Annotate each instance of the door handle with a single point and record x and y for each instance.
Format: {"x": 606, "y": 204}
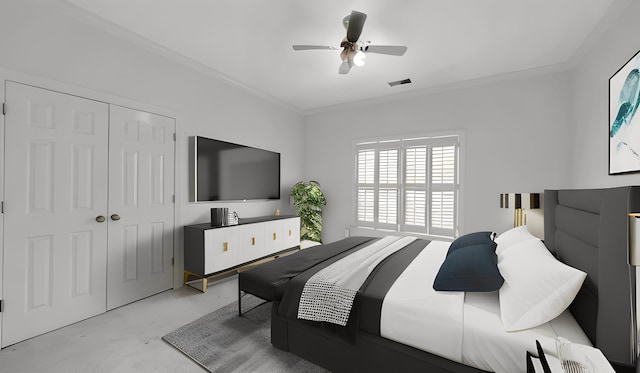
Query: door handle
{"x": 100, "y": 218}
{"x": 115, "y": 217}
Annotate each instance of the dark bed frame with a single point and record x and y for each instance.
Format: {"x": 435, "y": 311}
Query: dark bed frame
{"x": 586, "y": 229}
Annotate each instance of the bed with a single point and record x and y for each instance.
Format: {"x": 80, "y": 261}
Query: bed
{"x": 585, "y": 229}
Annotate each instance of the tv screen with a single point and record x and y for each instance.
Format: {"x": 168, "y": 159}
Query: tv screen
{"x": 231, "y": 172}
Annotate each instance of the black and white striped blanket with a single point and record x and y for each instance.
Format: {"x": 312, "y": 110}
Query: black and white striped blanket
{"x": 329, "y": 294}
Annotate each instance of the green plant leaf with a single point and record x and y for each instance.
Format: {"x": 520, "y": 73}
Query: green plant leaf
{"x": 308, "y": 200}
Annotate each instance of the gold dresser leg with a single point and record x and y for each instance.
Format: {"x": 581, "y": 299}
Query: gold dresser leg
{"x": 186, "y": 280}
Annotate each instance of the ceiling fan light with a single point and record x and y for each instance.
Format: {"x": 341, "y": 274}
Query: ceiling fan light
{"x": 358, "y": 58}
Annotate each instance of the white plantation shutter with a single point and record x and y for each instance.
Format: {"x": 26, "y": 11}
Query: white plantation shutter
{"x": 366, "y": 204}
{"x": 442, "y": 205}
{"x": 366, "y": 166}
{"x": 416, "y": 165}
{"x": 408, "y": 185}
{"x": 388, "y": 186}
{"x": 415, "y": 208}
{"x": 366, "y": 191}
{"x": 388, "y": 167}
{"x": 443, "y": 164}
{"x": 415, "y": 186}
{"x": 388, "y": 206}
{"x": 377, "y": 194}
{"x": 443, "y": 189}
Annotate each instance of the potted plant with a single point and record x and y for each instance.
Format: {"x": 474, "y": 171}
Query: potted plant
{"x": 308, "y": 200}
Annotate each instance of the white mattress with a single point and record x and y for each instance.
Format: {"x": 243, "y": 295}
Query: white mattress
{"x": 463, "y": 327}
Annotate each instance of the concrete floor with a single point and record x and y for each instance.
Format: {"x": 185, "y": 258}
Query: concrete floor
{"x": 127, "y": 339}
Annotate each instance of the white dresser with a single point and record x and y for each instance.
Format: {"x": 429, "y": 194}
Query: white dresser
{"x": 211, "y": 250}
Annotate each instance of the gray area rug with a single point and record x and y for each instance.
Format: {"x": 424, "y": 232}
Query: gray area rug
{"x": 224, "y": 342}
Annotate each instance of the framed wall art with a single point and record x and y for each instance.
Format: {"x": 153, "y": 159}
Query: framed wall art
{"x": 624, "y": 119}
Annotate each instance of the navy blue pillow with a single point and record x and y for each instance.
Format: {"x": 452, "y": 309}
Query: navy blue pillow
{"x": 469, "y": 239}
{"x": 470, "y": 268}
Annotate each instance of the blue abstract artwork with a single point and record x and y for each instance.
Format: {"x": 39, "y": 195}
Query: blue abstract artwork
{"x": 624, "y": 125}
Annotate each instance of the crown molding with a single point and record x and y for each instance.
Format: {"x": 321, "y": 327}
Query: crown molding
{"x": 448, "y": 87}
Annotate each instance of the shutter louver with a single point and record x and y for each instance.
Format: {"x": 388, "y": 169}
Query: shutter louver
{"x": 388, "y": 206}
{"x": 366, "y": 166}
{"x": 443, "y": 165}
{"x": 415, "y": 207}
{"x": 388, "y": 167}
{"x": 442, "y": 207}
{"x": 366, "y": 204}
{"x": 416, "y": 165}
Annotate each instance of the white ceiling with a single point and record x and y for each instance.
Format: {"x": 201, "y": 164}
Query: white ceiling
{"x": 449, "y": 41}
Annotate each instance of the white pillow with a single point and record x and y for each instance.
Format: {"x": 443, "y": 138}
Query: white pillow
{"x": 537, "y": 287}
{"x": 513, "y": 236}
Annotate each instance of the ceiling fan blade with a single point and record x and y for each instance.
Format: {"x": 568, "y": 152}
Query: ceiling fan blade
{"x": 311, "y": 47}
{"x": 394, "y": 50}
{"x": 356, "y": 24}
{"x": 344, "y": 55}
{"x": 344, "y": 68}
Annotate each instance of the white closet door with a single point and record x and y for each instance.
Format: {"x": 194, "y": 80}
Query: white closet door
{"x": 141, "y": 189}
{"x": 55, "y": 187}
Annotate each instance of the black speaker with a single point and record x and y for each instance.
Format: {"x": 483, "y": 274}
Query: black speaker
{"x": 219, "y": 216}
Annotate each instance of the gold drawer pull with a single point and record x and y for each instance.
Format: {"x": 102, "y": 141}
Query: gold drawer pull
{"x": 225, "y": 246}
{"x": 274, "y": 236}
{"x": 253, "y": 241}
{"x": 289, "y": 232}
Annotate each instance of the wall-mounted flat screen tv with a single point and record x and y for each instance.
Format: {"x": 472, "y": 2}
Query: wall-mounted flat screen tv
{"x": 223, "y": 171}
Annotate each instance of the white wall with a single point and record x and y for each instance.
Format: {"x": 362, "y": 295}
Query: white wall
{"x": 516, "y": 134}
{"x": 590, "y": 107}
{"x": 524, "y": 134}
{"x": 547, "y": 131}
{"x": 590, "y": 102}
{"x": 39, "y": 39}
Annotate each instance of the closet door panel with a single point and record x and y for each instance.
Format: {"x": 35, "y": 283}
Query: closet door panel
{"x": 55, "y": 187}
{"x": 141, "y": 207}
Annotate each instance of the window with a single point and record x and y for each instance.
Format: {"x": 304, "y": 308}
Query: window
{"x": 408, "y": 185}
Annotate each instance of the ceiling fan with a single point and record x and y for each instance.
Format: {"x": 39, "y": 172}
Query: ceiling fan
{"x": 353, "y": 50}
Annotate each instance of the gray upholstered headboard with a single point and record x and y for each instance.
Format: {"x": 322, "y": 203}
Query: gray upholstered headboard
{"x": 588, "y": 229}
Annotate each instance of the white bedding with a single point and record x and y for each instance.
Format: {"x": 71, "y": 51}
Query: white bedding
{"x": 486, "y": 345}
{"x": 416, "y": 315}
{"x": 466, "y": 329}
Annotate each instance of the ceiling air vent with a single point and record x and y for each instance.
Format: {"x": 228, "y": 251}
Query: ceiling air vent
{"x": 399, "y": 82}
